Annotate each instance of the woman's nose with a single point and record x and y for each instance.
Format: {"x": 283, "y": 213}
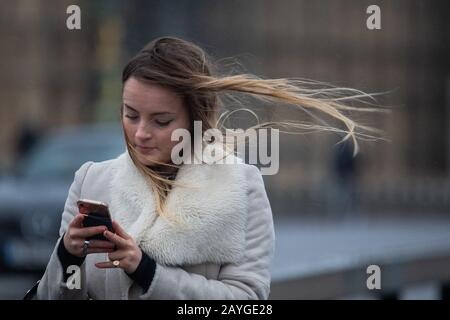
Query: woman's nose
{"x": 143, "y": 132}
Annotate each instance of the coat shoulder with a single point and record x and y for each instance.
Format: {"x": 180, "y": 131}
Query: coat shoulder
{"x": 100, "y": 168}
{"x": 253, "y": 175}
{"x": 102, "y": 165}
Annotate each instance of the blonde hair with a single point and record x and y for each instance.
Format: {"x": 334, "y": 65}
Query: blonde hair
{"x": 185, "y": 68}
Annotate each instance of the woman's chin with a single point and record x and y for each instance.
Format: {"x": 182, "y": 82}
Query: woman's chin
{"x": 147, "y": 160}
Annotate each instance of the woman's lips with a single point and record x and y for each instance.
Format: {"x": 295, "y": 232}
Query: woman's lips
{"x": 145, "y": 149}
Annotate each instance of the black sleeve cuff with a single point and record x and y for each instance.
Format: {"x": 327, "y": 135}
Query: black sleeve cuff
{"x": 67, "y": 259}
{"x": 144, "y": 273}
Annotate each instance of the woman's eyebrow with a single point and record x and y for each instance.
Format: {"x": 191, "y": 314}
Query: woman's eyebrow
{"x": 153, "y": 113}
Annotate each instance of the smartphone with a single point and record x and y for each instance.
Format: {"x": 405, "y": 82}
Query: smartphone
{"x": 97, "y": 214}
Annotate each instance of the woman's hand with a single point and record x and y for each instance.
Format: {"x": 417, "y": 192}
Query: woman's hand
{"x": 76, "y": 234}
{"x": 128, "y": 254}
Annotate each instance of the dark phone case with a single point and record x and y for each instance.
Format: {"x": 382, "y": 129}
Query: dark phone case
{"x": 93, "y": 220}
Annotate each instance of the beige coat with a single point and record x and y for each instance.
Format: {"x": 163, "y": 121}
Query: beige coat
{"x": 223, "y": 248}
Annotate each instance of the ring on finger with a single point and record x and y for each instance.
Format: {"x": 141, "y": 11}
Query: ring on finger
{"x": 85, "y": 247}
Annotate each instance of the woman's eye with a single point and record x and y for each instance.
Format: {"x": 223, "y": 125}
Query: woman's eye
{"x": 131, "y": 117}
{"x": 163, "y": 123}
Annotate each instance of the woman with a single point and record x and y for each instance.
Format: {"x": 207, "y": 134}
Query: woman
{"x": 189, "y": 231}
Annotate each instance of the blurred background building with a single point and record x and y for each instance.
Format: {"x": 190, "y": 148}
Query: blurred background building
{"x": 53, "y": 77}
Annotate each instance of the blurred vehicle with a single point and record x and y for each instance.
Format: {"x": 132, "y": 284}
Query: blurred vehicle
{"x": 32, "y": 199}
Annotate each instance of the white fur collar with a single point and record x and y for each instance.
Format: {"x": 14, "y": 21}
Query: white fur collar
{"x": 213, "y": 212}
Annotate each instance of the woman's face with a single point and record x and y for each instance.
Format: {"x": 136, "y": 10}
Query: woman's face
{"x": 150, "y": 114}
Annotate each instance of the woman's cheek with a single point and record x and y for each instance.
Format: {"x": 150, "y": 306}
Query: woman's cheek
{"x": 130, "y": 129}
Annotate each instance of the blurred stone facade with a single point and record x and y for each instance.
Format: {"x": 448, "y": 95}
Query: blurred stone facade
{"x": 48, "y": 72}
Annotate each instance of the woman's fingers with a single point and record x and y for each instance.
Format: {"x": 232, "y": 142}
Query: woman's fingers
{"x": 104, "y": 265}
{"x": 99, "y": 250}
{"x": 88, "y": 231}
{"x": 112, "y": 256}
{"x": 119, "y": 230}
{"x": 77, "y": 222}
{"x": 101, "y": 244}
{"x": 116, "y": 255}
{"x": 115, "y": 238}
